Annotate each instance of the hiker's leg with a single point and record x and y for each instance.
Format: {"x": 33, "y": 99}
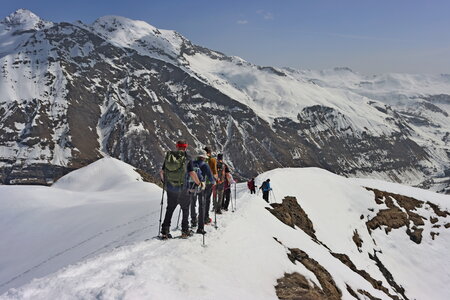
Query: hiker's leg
{"x": 208, "y": 193}
{"x": 193, "y": 204}
{"x": 171, "y": 205}
{"x": 226, "y": 202}
{"x": 184, "y": 203}
{"x": 201, "y": 210}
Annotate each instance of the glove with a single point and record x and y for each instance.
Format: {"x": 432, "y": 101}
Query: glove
{"x": 202, "y": 186}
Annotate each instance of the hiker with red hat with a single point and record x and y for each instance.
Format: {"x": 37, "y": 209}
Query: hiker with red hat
{"x": 176, "y": 170}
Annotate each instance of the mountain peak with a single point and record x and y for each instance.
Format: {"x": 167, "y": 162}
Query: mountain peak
{"x": 25, "y": 19}
{"x": 113, "y": 23}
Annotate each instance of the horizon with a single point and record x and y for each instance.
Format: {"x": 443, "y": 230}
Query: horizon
{"x": 376, "y": 38}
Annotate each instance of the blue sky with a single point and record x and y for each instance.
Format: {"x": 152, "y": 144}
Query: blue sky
{"x": 369, "y": 36}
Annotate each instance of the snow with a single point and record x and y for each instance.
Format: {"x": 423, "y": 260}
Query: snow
{"x": 140, "y": 36}
{"x": 87, "y": 212}
{"x": 85, "y": 238}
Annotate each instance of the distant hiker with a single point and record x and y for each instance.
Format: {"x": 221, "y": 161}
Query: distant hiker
{"x": 265, "y": 187}
{"x": 227, "y": 190}
{"x": 203, "y": 171}
{"x": 176, "y": 170}
{"x": 212, "y": 162}
{"x": 222, "y": 170}
{"x": 251, "y": 186}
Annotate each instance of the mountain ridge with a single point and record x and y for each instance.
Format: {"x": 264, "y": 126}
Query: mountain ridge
{"x": 73, "y": 93}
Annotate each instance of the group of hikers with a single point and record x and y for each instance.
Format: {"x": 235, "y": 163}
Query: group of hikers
{"x": 265, "y": 187}
{"x": 190, "y": 180}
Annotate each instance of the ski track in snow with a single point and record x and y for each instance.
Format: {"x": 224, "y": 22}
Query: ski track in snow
{"x": 121, "y": 240}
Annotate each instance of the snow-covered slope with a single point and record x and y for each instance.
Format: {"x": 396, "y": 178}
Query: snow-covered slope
{"x": 252, "y": 254}
{"x": 91, "y": 210}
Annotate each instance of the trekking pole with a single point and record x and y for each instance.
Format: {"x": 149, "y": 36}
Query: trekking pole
{"x": 202, "y": 197}
{"x": 273, "y": 194}
{"x": 235, "y": 197}
{"x": 160, "y": 212}
{"x": 214, "y": 195}
{"x": 231, "y": 199}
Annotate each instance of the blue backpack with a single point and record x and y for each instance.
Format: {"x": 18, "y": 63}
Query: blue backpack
{"x": 198, "y": 171}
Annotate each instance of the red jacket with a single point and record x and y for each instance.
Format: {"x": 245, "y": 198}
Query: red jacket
{"x": 251, "y": 184}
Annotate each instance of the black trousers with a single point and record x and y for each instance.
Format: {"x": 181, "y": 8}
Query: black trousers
{"x": 226, "y": 198}
{"x": 266, "y": 196}
{"x": 208, "y": 194}
{"x": 173, "y": 199}
{"x": 252, "y": 191}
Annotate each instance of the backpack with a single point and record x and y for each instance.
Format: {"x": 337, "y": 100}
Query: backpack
{"x": 221, "y": 170}
{"x": 198, "y": 171}
{"x": 265, "y": 186}
{"x": 175, "y": 165}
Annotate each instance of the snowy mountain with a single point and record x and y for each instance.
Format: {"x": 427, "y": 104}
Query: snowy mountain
{"x": 71, "y": 93}
{"x": 327, "y": 237}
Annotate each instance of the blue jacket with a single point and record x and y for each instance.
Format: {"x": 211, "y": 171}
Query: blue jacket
{"x": 205, "y": 171}
{"x": 266, "y": 186}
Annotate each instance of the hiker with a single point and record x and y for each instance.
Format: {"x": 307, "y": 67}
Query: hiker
{"x": 251, "y": 186}
{"x": 227, "y": 190}
{"x": 222, "y": 170}
{"x": 209, "y": 190}
{"x": 265, "y": 187}
{"x": 203, "y": 171}
{"x": 176, "y": 169}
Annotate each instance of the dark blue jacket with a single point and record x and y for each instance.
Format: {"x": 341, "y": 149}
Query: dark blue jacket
{"x": 266, "y": 186}
{"x": 205, "y": 170}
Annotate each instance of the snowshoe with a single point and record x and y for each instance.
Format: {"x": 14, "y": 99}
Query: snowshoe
{"x": 186, "y": 234}
{"x": 165, "y": 236}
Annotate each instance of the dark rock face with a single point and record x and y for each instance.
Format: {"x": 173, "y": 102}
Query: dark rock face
{"x": 290, "y": 213}
{"x": 402, "y": 214}
{"x": 94, "y": 98}
{"x": 337, "y": 149}
{"x": 329, "y": 288}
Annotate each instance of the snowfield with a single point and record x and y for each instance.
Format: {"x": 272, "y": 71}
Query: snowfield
{"x": 90, "y": 237}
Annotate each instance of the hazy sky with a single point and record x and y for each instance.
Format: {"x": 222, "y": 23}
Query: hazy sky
{"x": 369, "y": 36}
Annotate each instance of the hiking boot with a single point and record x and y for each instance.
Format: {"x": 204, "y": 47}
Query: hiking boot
{"x": 200, "y": 231}
{"x": 194, "y": 223}
{"x": 218, "y": 212}
{"x": 186, "y": 234}
{"x": 165, "y": 236}
{"x": 208, "y": 221}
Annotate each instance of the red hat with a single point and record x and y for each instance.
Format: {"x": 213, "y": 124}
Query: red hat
{"x": 182, "y": 144}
